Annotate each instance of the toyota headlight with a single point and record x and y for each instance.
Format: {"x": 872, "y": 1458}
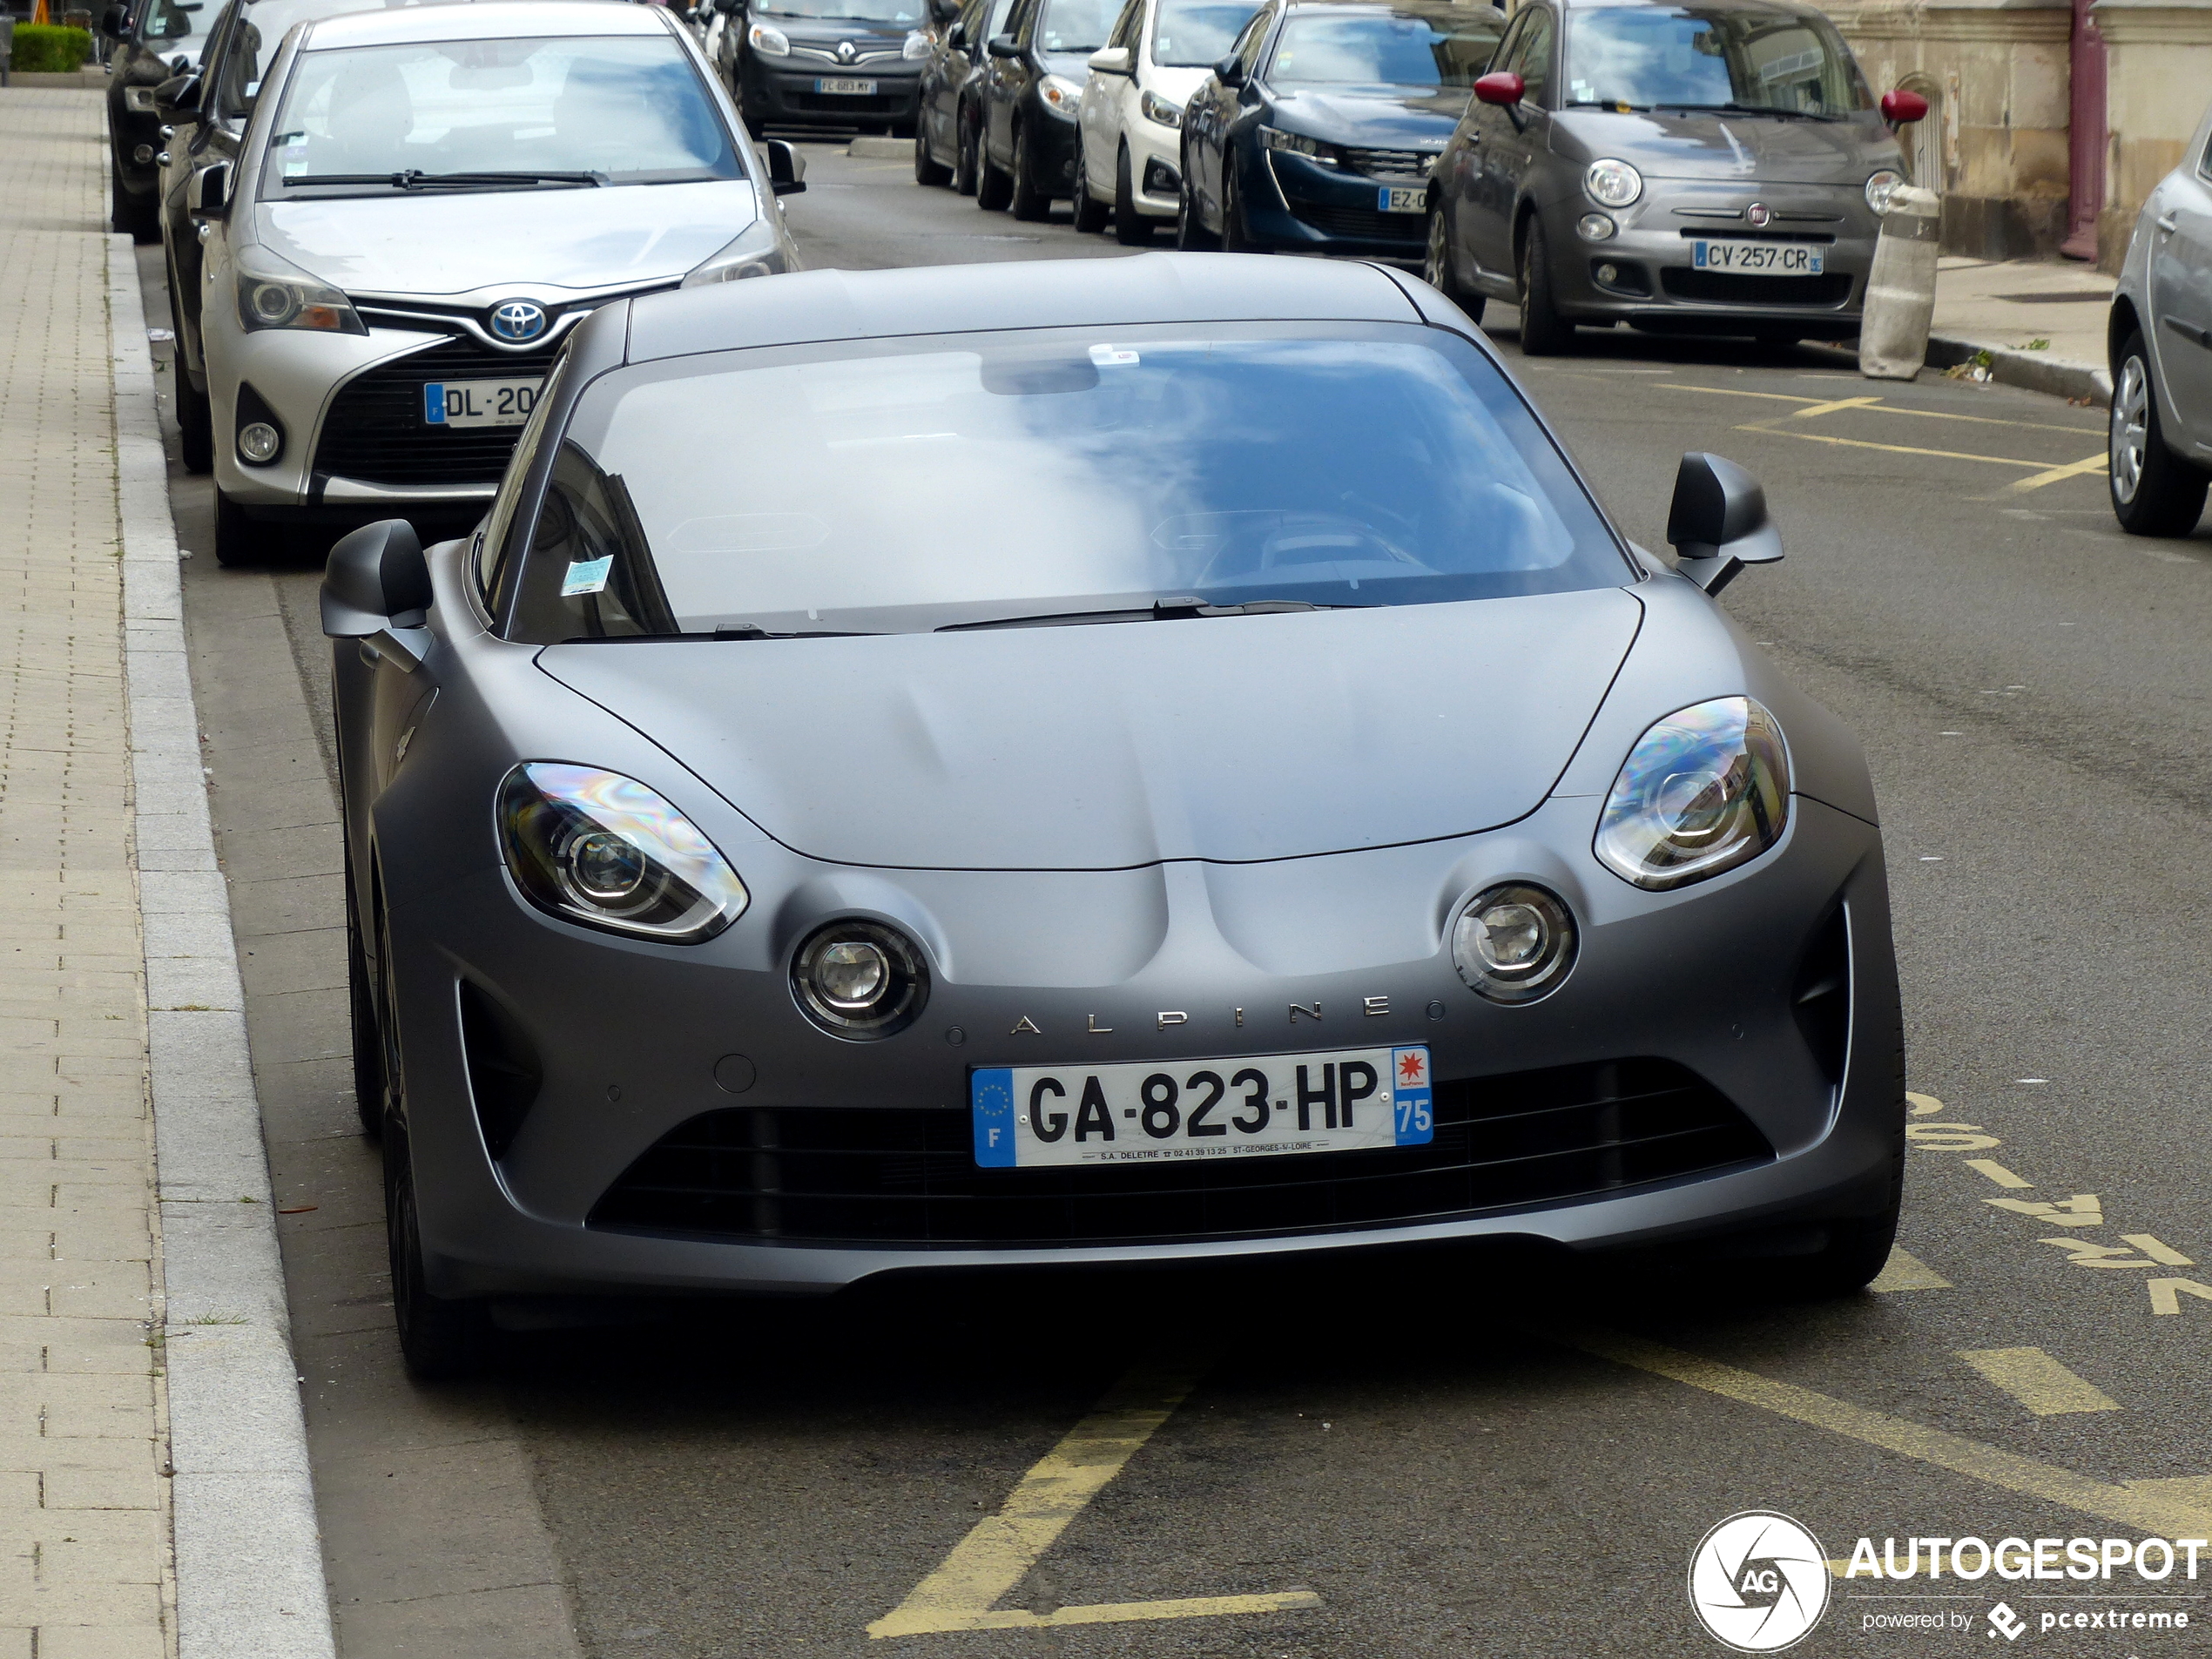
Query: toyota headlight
{"x": 1613, "y": 184}
{"x": 761, "y": 249}
{"x": 1155, "y": 108}
{"x": 1704, "y": 790}
{"x": 600, "y": 849}
{"x": 768, "y": 41}
{"x": 1060, "y": 95}
{"x": 1298, "y": 144}
{"x": 1881, "y": 187}
{"x": 1513, "y": 943}
{"x": 275, "y": 294}
{"x": 859, "y": 980}
{"x": 917, "y": 46}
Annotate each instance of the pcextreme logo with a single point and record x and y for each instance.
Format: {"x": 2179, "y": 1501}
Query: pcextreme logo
{"x": 1758, "y": 1582}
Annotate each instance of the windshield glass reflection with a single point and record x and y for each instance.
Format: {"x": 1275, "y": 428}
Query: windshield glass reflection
{"x": 1763, "y": 62}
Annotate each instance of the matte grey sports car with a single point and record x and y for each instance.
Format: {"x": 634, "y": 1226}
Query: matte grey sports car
{"x": 1287, "y": 816}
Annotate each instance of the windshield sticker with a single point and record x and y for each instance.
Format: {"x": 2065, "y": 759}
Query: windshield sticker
{"x": 295, "y": 153}
{"x": 586, "y": 576}
{"x": 1111, "y": 356}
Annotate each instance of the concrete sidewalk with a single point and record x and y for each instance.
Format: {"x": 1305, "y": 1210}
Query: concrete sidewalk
{"x": 2042, "y": 323}
{"x": 153, "y": 1494}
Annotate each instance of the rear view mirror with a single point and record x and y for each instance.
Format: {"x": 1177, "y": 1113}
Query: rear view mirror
{"x": 376, "y": 580}
{"x": 1900, "y": 108}
{"x": 176, "y": 101}
{"x": 1230, "y": 71}
{"x": 1718, "y": 522}
{"x": 1501, "y": 86}
{"x": 786, "y": 168}
{"x": 1003, "y": 46}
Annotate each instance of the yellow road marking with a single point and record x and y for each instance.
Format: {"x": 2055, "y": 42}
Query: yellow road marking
{"x": 2165, "y": 1254}
{"x": 2166, "y": 1293}
{"x": 1907, "y": 1272}
{"x": 1891, "y": 448}
{"x": 1838, "y": 403}
{"x": 1997, "y": 1173}
{"x": 1877, "y": 404}
{"x": 2159, "y": 1512}
{"x": 2038, "y": 1381}
{"x": 1922, "y": 1105}
{"x": 2082, "y": 1210}
{"x": 2188, "y": 1488}
{"x": 999, "y": 1551}
{"x": 2097, "y": 463}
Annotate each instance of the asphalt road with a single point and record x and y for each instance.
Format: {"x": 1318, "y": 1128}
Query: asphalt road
{"x": 1453, "y": 1456}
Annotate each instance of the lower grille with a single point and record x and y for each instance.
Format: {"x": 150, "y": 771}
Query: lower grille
{"x": 1733, "y": 289}
{"x": 834, "y": 103}
{"x": 1364, "y": 223}
{"x": 1409, "y": 167}
{"x": 375, "y": 431}
{"x": 880, "y": 1176}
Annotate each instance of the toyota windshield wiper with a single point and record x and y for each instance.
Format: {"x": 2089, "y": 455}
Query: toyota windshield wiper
{"x": 414, "y": 178}
{"x": 1178, "y": 606}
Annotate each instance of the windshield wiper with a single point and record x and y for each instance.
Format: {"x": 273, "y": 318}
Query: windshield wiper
{"x": 1166, "y": 609}
{"x": 1775, "y": 110}
{"x": 414, "y": 178}
{"x": 1605, "y": 104}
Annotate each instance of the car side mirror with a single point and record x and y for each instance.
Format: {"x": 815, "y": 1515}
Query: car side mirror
{"x": 176, "y": 101}
{"x": 1003, "y": 46}
{"x": 208, "y": 191}
{"x": 115, "y": 22}
{"x": 1230, "y": 71}
{"x": 1110, "y": 60}
{"x": 726, "y": 7}
{"x": 1718, "y": 522}
{"x": 944, "y": 11}
{"x": 1900, "y": 108}
{"x": 786, "y": 168}
{"x": 376, "y": 580}
{"x": 1501, "y": 86}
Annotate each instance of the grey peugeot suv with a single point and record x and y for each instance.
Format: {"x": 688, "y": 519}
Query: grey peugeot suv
{"x": 1712, "y": 167}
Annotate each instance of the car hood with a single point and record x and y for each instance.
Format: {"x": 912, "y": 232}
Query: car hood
{"x": 1174, "y": 83}
{"x": 1376, "y": 117}
{"x": 1108, "y": 746}
{"x": 434, "y": 243}
{"x": 1751, "y": 148}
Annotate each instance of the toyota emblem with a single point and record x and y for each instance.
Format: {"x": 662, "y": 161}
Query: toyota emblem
{"x": 1758, "y": 213}
{"x": 517, "y": 320}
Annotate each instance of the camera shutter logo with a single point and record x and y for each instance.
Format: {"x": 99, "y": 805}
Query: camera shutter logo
{"x": 517, "y": 320}
{"x": 1758, "y": 1582}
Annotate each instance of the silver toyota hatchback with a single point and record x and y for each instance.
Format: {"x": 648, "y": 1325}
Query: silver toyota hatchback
{"x": 1716, "y": 167}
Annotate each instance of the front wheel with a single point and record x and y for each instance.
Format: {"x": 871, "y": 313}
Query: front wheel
{"x": 1544, "y": 332}
{"x": 993, "y": 184}
{"x": 1029, "y": 201}
{"x": 2155, "y": 492}
{"x": 127, "y": 216}
{"x": 441, "y": 1338}
{"x": 368, "y": 1037}
{"x": 1191, "y": 232}
{"x": 195, "y": 421}
{"x": 239, "y": 540}
{"x": 1236, "y": 235}
{"x": 1090, "y": 212}
{"x": 1131, "y": 228}
{"x": 1436, "y": 267}
{"x": 928, "y": 169}
{"x": 964, "y": 167}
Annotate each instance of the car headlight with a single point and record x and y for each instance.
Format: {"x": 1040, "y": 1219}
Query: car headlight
{"x": 602, "y": 850}
{"x": 859, "y": 980}
{"x": 1513, "y": 943}
{"x": 1153, "y": 107}
{"x": 917, "y": 47}
{"x": 759, "y": 250}
{"x": 1704, "y": 790}
{"x": 1613, "y": 184}
{"x": 1060, "y": 95}
{"x": 1881, "y": 187}
{"x": 1297, "y": 145}
{"x": 767, "y": 41}
{"x": 273, "y": 294}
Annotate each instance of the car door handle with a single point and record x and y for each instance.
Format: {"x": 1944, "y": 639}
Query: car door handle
{"x": 2169, "y": 224}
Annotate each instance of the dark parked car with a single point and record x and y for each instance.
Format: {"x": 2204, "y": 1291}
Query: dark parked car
{"x": 1317, "y": 132}
{"x": 159, "y": 39}
{"x": 948, "y": 125}
{"x": 1033, "y": 88}
{"x": 828, "y": 63}
{"x": 1713, "y": 167}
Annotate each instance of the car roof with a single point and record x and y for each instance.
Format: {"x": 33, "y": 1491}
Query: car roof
{"x": 1786, "y": 8}
{"x": 819, "y": 306}
{"x": 483, "y": 20}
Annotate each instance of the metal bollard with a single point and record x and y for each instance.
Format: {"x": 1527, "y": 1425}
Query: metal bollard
{"x": 1900, "y": 289}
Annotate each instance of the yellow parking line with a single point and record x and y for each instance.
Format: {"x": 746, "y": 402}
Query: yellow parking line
{"x": 1821, "y": 406}
{"x": 2038, "y": 1381}
{"x": 1892, "y": 448}
{"x": 1832, "y": 407}
{"x": 1734, "y": 391}
{"x": 2097, "y": 462}
{"x": 2157, "y": 1512}
{"x": 1998, "y": 1172}
{"x": 1904, "y": 1271}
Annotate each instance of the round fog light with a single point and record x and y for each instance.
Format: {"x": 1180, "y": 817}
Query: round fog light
{"x": 1608, "y": 274}
{"x": 1596, "y": 227}
{"x": 859, "y": 980}
{"x": 257, "y": 441}
{"x": 851, "y": 975}
{"x": 1513, "y": 943}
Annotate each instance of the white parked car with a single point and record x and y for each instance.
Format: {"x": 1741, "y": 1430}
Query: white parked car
{"x": 1131, "y": 113}
{"x": 427, "y": 201}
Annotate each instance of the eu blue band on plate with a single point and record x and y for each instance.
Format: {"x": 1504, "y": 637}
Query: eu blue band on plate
{"x": 1411, "y": 1099}
{"x": 433, "y": 404}
{"x": 991, "y": 1100}
{"x": 1382, "y": 200}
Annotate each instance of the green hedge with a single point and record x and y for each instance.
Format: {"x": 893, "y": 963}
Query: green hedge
{"x": 43, "y": 48}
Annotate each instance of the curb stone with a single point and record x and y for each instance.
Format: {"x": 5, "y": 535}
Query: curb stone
{"x": 2033, "y": 371}
{"x": 248, "y": 1553}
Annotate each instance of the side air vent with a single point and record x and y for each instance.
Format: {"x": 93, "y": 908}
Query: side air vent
{"x": 1821, "y": 998}
{"x": 503, "y": 1070}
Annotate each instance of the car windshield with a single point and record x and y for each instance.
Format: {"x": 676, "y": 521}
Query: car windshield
{"x": 885, "y": 11}
{"x": 1192, "y": 34}
{"x": 261, "y": 30}
{"x": 1076, "y": 25}
{"x": 177, "y": 25}
{"x": 1719, "y": 57}
{"x": 1093, "y": 475}
{"x": 576, "y": 109}
{"x": 1384, "y": 49}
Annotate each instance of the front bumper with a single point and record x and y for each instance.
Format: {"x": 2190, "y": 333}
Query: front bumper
{"x": 1298, "y": 206}
{"x": 777, "y": 93}
{"x": 625, "y": 1041}
{"x": 1055, "y": 150}
{"x": 1155, "y": 167}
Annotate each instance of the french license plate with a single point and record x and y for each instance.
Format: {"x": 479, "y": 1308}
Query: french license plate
{"x": 845, "y": 89}
{"x": 1765, "y": 259}
{"x": 1402, "y": 198}
{"x": 479, "y": 403}
{"x": 1349, "y": 1100}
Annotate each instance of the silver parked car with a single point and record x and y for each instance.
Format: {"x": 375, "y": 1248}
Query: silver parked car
{"x": 426, "y": 201}
{"x": 1269, "y": 809}
{"x": 1715, "y": 167}
{"x": 2160, "y": 338}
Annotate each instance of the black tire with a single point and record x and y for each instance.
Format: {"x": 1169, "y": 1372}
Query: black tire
{"x": 195, "y": 422}
{"x": 239, "y": 540}
{"x": 928, "y": 169}
{"x": 1544, "y": 332}
{"x": 1436, "y": 268}
{"x": 1191, "y": 232}
{"x": 368, "y": 1037}
{"x": 127, "y": 215}
{"x": 1090, "y": 212}
{"x": 964, "y": 147}
{"x": 993, "y": 184}
{"x": 2153, "y": 492}
{"x": 1027, "y": 201}
{"x": 1131, "y": 228}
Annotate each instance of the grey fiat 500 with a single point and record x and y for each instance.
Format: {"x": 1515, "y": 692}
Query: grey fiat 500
{"x": 1714, "y": 167}
{"x": 1292, "y": 820}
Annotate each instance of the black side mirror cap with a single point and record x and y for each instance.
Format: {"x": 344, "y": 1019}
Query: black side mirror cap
{"x": 1718, "y": 521}
{"x": 1230, "y": 71}
{"x": 176, "y": 101}
{"x": 1003, "y": 46}
{"x": 376, "y": 579}
{"x": 115, "y": 22}
{"x": 786, "y": 168}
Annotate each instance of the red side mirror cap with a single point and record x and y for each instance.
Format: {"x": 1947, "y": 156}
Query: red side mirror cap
{"x": 1902, "y": 106}
{"x": 1501, "y": 86}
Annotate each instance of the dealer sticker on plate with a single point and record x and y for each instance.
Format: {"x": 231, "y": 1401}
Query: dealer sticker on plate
{"x": 1348, "y": 1100}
